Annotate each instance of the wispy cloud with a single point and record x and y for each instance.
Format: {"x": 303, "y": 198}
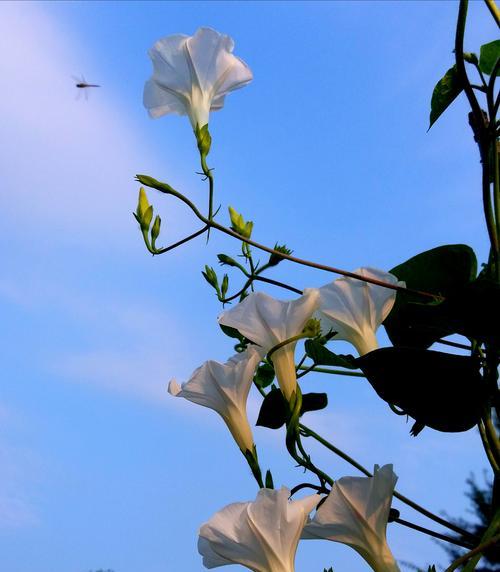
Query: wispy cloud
{"x": 67, "y": 165}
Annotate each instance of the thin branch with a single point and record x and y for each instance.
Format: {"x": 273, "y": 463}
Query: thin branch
{"x": 433, "y": 533}
{"x": 307, "y": 369}
{"x": 167, "y": 189}
{"x": 182, "y": 241}
{"x": 402, "y": 498}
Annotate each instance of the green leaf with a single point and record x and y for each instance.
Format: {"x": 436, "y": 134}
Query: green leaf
{"x": 488, "y": 57}
{"x": 440, "y": 390}
{"x": 264, "y": 375}
{"x": 414, "y": 320}
{"x": 323, "y": 356}
{"x": 446, "y": 90}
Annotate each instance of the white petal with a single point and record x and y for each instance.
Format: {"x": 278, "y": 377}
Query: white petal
{"x": 355, "y": 513}
{"x": 159, "y": 101}
{"x": 170, "y": 63}
{"x": 224, "y": 388}
{"x": 216, "y": 69}
{"x": 261, "y": 535}
{"x": 267, "y": 321}
{"x": 355, "y": 309}
{"x": 210, "y": 558}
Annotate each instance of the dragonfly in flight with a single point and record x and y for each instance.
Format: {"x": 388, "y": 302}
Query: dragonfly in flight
{"x": 83, "y": 87}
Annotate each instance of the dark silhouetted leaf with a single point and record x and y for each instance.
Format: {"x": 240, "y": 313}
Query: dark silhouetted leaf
{"x": 414, "y": 320}
{"x": 264, "y": 375}
{"x": 274, "y": 409}
{"x": 440, "y": 390}
{"x": 474, "y": 311}
{"x": 323, "y": 356}
{"x": 313, "y": 402}
{"x": 446, "y": 90}
{"x": 231, "y": 332}
{"x": 269, "y": 480}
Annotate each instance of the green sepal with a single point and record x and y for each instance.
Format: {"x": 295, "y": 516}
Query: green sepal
{"x": 445, "y": 92}
{"x": 439, "y": 390}
{"x": 431, "y": 568}
{"x": 417, "y": 321}
{"x": 203, "y": 140}
{"x": 323, "y": 356}
{"x": 488, "y": 56}
{"x": 225, "y": 285}
{"x": 329, "y": 569}
{"x": 269, "y": 480}
{"x": 264, "y": 375}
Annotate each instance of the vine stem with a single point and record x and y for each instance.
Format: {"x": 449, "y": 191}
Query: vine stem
{"x": 310, "y": 433}
{"x": 167, "y": 189}
{"x": 493, "y": 8}
{"x": 433, "y": 533}
{"x": 472, "y": 558}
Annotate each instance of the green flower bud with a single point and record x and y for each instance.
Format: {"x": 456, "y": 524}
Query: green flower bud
{"x": 471, "y": 58}
{"x": 239, "y": 225}
{"x": 275, "y": 258}
{"x": 224, "y": 285}
{"x": 155, "y": 231}
{"x": 211, "y": 277}
{"x": 224, "y": 259}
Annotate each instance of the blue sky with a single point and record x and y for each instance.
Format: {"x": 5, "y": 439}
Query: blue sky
{"x": 326, "y": 150}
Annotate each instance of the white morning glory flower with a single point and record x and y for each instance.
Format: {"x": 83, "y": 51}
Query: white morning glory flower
{"x": 261, "y": 535}
{"x": 193, "y": 74}
{"x": 355, "y": 309}
{"x": 356, "y": 513}
{"x": 267, "y": 322}
{"x": 224, "y": 388}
